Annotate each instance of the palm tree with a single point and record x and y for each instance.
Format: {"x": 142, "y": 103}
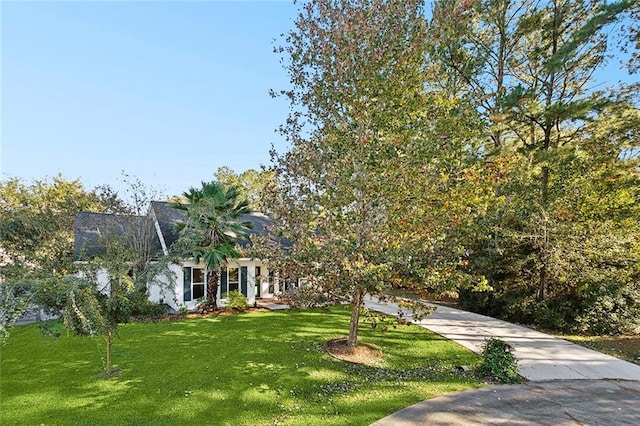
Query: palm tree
{"x": 213, "y": 228}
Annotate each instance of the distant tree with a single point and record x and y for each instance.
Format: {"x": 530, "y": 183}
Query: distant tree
{"x": 556, "y": 132}
{"x": 251, "y": 184}
{"x": 36, "y": 223}
{"x": 36, "y": 238}
{"x": 213, "y": 229}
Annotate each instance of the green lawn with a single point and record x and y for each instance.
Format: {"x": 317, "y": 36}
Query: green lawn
{"x": 247, "y": 369}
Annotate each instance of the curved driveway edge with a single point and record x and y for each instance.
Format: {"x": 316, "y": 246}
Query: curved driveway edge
{"x": 540, "y": 356}
{"x": 558, "y": 402}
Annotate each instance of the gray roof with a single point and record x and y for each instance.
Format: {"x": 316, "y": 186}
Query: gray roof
{"x": 93, "y": 230}
{"x": 168, "y": 217}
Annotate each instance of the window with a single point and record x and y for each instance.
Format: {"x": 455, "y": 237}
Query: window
{"x": 234, "y": 279}
{"x": 197, "y": 283}
{"x": 271, "y": 282}
{"x": 193, "y": 285}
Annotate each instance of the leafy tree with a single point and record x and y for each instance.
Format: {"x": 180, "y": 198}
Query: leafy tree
{"x": 36, "y": 223}
{"x": 16, "y": 296}
{"x": 359, "y": 191}
{"x": 36, "y": 240}
{"x": 213, "y": 228}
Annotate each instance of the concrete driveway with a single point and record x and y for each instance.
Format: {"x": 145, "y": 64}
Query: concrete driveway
{"x": 567, "y": 383}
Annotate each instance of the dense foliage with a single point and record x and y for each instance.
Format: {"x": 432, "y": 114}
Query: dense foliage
{"x": 478, "y": 152}
{"x": 558, "y": 245}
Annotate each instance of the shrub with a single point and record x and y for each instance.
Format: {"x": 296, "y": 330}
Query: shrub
{"x": 498, "y": 362}
{"x": 146, "y": 310}
{"x": 183, "y": 311}
{"x": 236, "y": 301}
{"x": 305, "y": 298}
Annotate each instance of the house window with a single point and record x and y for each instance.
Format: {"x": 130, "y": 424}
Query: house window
{"x": 193, "y": 284}
{"x": 197, "y": 283}
{"x": 271, "y": 282}
{"x": 234, "y": 279}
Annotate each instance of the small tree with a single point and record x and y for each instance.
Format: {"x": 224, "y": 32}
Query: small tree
{"x": 94, "y": 305}
{"x": 111, "y": 286}
{"x": 213, "y": 228}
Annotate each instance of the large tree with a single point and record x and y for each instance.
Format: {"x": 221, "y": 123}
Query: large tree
{"x": 363, "y": 191}
{"x": 213, "y": 229}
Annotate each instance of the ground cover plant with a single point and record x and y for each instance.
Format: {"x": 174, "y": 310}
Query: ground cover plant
{"x": 255, "y": 368}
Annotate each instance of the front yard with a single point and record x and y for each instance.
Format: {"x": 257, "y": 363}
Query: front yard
{"x": 248, "y": 369}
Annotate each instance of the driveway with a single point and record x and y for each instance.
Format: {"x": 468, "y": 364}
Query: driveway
{"x": 567, "y": 384}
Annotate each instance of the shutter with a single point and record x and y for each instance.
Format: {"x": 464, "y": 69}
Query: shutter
{"x": 257, "y": 281}
{"x": 223, "y": 282}
{"x": 243, "y": 280}
{"x": 186, "y": 284}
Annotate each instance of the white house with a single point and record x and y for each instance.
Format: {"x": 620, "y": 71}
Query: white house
{"x": 252, "y": 277}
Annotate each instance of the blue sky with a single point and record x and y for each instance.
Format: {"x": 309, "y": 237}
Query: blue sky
{"x": 165, "y": 91}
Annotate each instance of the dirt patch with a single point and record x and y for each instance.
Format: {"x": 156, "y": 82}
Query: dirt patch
{"x": 363, "y": 353}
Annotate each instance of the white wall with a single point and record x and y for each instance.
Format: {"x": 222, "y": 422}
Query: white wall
{"x": 175, "y": 299}
{"x": 166, "y": 292}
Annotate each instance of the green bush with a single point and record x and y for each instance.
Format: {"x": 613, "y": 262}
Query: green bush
{"x": 143, "y": 309}
{"x": 498, "y": 362}
{"x": 305, "y": 298}
{"x": 236, "y": 301}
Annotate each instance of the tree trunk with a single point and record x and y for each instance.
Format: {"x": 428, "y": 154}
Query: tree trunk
{"x": 109, "y": 367}
{"x": 542, "y": 255}
{"x": 356, "y": 304}
{"x": 212, "y": 288}
{"x": 543, "y": 280}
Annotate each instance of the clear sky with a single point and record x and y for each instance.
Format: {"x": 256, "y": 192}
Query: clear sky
{"x": 165, "y": 91}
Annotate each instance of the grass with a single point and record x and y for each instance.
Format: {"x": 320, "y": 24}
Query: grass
{"x": 623, "y": 347}
{"x": 247, "y": 369}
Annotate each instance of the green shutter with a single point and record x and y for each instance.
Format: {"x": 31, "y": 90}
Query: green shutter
{"x": 186, "y": 284}
{"x": 243, "y": 280}
{"x": 256, "y": 278}
{"x": 223, "y": 282}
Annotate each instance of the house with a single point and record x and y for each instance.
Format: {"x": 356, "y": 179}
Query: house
{"x": 252, "y": 277}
